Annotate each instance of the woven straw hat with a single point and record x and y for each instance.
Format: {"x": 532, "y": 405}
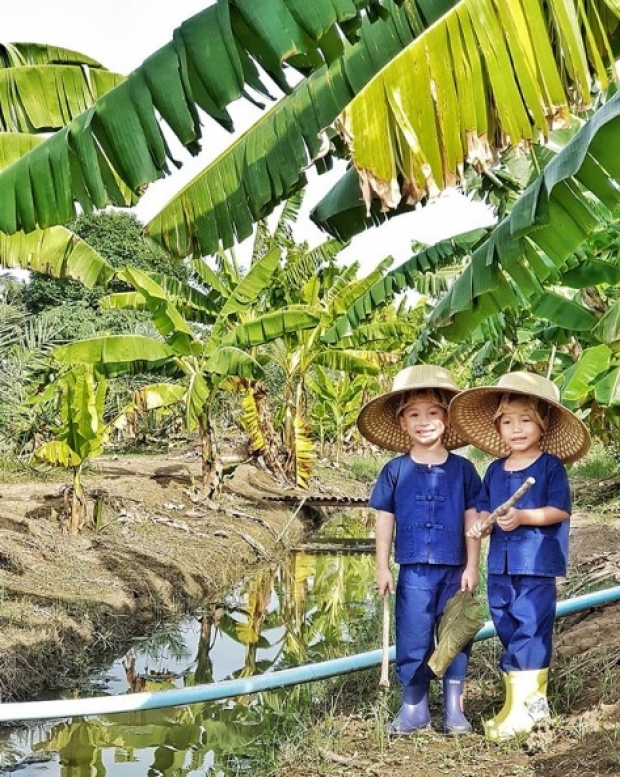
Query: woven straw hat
{"x": 378, "y": 420}
{"x": 472, "y": 413}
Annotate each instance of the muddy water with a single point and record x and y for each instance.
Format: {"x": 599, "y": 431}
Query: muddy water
{"x": 302, "y": 611}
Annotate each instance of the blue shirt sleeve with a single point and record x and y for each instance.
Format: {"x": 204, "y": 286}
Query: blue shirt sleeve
{"x": 558, "y": 487}
{"x": 472, "y": 485}
{"x": 382, "y": 495}
{"x": 483, "y": 504}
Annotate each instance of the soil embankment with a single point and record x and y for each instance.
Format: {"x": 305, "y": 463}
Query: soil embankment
{"x": 157, "y": 551}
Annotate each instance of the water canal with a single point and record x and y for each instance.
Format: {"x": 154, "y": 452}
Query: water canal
{"x": 306, "y": 609}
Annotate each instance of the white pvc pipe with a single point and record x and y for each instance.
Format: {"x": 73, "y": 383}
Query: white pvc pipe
{"x": 106, "y": 705}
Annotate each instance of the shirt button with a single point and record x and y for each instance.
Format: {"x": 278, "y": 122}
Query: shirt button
{"x": 429, "y": 525}
{"x": 429, "y": 497}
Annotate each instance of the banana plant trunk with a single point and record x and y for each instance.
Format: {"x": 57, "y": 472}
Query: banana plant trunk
{"x": 212, "y": 467}
{"x": 289, "y": 431}
{"x": 271, "y": 450}
{"x": 77, "y": 513}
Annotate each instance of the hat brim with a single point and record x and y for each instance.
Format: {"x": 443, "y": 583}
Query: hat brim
{"x": 472, "y": 412}
{"x": 379, "y": 423}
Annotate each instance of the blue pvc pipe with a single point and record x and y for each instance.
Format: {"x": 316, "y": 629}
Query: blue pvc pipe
{"x": 105, "y": 705}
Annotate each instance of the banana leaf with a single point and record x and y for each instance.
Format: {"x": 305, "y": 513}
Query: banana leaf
{"x": 461, "y": 620}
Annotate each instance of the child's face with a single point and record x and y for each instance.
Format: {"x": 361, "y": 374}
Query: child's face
{"x": 518, "y": 429}
{"x": 424, "y": 422}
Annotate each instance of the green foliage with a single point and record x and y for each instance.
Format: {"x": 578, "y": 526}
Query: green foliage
{"x": 25, "y": 344}
{"x": 366, "y": 468}
{"x": 117, "y": 236}
{"x": 601, "y": 461}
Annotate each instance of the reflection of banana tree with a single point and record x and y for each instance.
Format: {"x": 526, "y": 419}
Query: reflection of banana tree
{"x": 174, "y": 742}
{"x": 200, "y": 365}
{"x": 209, "y": 630}
{"x": 247, "y": 632}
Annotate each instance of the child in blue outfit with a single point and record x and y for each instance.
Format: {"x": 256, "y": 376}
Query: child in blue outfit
{"x": 521, "y": 421}
{"x": 426, "y": 501}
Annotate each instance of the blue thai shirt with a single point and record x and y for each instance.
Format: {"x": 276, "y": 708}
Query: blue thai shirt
{"x": 528, "y": 550}
{"x": 428, "y": 502}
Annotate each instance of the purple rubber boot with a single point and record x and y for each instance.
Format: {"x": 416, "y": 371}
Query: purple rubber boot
{"x": 454, "y": 721}
{"x": 413, "y": 714}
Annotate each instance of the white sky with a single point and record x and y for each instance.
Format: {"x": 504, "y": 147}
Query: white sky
{"x": 121, "y": 34}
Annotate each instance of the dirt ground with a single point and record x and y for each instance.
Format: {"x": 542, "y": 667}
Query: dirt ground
{"x": 65, "y": 600}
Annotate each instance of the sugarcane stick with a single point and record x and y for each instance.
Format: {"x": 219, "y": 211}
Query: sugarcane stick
{"x": 384, "y": 680}
{"x": 503, "y": 508}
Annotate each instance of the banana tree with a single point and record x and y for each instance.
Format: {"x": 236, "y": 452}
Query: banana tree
{"x": 337, "y": 405}
{"x": 554, "y": 257}
{"x": 81, "y": 435}
{"x": 330, "y": 291}
{"x": 199, "y": 359}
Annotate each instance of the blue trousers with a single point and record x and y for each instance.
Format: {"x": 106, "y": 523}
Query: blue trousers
{"x": 523, "y": 612}
{"x": 421, "y": 595}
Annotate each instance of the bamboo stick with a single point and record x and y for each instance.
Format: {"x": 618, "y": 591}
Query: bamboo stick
{"x": 482, "y": 526}
{"x": 384, "y": 680}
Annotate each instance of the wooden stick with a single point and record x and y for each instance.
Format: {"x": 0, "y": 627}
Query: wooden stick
{"x": 503, "y": 508}
{"x": 384, "y": 680}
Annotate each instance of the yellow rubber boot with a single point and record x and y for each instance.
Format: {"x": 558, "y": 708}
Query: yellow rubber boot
{"x": 527, "y": 692}
{"x": 503, "y": 713}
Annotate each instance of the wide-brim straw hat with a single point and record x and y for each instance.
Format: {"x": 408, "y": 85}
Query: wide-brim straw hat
{"x": 378, "y": 420}
{"x": 472, "y": 413}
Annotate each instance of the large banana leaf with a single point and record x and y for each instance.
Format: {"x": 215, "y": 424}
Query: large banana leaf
{"x": 343, "y": 213}
{"x": 70, "y": 81}
{"x": 230, "y": 360}
{"x": 607, "y": 390}
{"x": 547, "y": 225}
{"x": 579, "y": 380}
{"x": 208, "y": 64}
{"x": 271, "y": 326}
{"x": 487, "y": 75}
{"x": 56, "y": 252}
{"x": 158, "y": 395}
{"x": 534, "y": 244}
{"x": 252, "y": 284}
{"x": 14, "y": 145}
{"x": 165, "y": 316}
{"x": 22, "y": 54}
{"x": 563, "y": 312}
{"x": 266, "y": 165}
{"x": 405, "y": 276}
{"x": 117, "y": 354}
{"x": 607, "y": 329}
{"x": 461, "y": 620}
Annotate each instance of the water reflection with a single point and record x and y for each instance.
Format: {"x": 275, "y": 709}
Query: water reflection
{"x": 301, "y": 611}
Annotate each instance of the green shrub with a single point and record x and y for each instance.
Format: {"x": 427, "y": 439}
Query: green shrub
{"x": 366, "y": 469}
{"x": 601, "y": 461}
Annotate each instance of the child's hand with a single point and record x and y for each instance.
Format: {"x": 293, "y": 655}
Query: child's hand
{"x": 476, "y": 532}
{"x": 385, "y": 582}
{"x": 510, "y": 521}
{"x": 469, "y": 579}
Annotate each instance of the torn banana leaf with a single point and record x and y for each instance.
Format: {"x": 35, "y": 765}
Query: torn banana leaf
{"x": 462, "y": 618}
